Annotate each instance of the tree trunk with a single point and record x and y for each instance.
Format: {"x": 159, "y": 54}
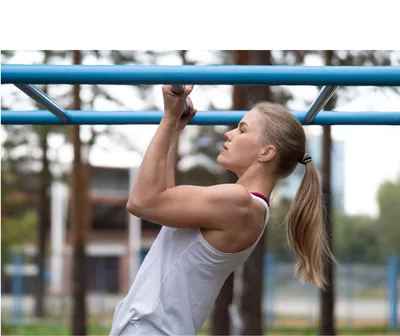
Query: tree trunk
{"x": 44, "y": 224}
{"x": 220, "y": 319}
{"x": 327, "y": 309}
{"x": 252, "y": 295}
{"x": 44, "y": 216}
{"x": 78, "y": 224}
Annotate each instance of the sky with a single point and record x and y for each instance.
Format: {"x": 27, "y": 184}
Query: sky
{"x": 370, "y": 151}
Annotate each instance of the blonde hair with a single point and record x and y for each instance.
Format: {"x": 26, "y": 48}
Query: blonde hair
{"x": 304, "y": 222}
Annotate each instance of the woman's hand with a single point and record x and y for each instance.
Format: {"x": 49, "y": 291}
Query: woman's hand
{"x": 184, "y": 120}
{"x": 174, "y": 105}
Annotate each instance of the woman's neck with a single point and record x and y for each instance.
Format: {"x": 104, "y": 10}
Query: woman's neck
{"x": 260, "y": 182}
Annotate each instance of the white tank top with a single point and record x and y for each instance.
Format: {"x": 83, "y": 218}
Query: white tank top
{"x": 177, "y": 284}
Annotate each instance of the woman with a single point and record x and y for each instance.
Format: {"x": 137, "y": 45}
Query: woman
{"x": 208, "y": 232}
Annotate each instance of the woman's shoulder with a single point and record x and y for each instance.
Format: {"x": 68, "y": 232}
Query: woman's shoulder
{"x": 231, "y": 191}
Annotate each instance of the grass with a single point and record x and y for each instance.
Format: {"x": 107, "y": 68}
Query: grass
{"x": 50, "y": 329}
{"x": 340, "y": 331}
{"x": 47, "y": 329}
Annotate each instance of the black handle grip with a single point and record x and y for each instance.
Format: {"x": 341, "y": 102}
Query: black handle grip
{"x": 179, "y": 89}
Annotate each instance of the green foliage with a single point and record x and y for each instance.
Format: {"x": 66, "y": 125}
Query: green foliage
{"x": 389, "y": 221}
{"x": 276, "y": 231}
{"x": 5, "y": 55}
{"x": 49, "y": 329}
{"x": 21, "y": 229}
{"x": 18, "y": 217}
{"x": 356, "y": 239}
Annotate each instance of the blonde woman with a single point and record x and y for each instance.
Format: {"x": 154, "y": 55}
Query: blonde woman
{"x": 208, "y": 232}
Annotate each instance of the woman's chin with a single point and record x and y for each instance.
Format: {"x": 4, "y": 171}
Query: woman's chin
{"x": 223, "y": 163}
{"x": 220, "y": 160}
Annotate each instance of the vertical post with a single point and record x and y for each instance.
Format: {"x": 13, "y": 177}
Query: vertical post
{"x": 58, "y": 201}
{"x": 101, "y": 285}
{"x": 327, "y": 296}
{"x": 135, "y": 238}
{"x": 349, "y": 294}
{"x": 393, "y": 293}
{"x": 17, "y": 287}
{"x": 271, "y": 275}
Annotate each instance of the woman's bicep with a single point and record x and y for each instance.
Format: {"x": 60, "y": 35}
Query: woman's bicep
{"x": 193, "y": 206}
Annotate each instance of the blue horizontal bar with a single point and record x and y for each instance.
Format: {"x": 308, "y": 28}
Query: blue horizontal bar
{"x": 40, "y": 117}
{"x": 196, "y": 74}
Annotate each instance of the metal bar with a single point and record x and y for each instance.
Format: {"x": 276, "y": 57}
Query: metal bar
{"x": 393, "y": 291}
{"x": 192, "y": 74}
{"x": 318, "y": 104}
{"x": 202, "y": 118}
{"x": 41, "y": 98}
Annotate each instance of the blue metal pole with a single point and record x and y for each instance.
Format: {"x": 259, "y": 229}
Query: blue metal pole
{"x": 318, "y": 104}
{"x": 100, "y": 276}
{"x": 43, "y": 99}
{"x": 201, "y": 75}
{"x": 40, "y": 117}
{"x": 393, "y": 295}
{"x": 101, "y": 283}
{"x": 17, "y": 288}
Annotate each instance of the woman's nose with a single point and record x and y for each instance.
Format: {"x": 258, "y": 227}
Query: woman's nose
{"x": 228, "y": 136}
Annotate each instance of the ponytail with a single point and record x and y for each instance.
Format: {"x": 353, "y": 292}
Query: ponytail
{"x": 305, "y": 229}
{"x": 304, "y": 222}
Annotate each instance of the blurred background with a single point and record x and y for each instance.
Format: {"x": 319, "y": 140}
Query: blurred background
{"x": 70, "y": 250}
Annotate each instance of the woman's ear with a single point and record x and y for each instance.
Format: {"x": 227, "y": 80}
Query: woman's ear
{"x": 267, "y": 153}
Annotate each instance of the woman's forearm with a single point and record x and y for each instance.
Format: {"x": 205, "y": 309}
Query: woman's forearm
{"x": 172, "y": 161}
{"x": 151, "y": 178}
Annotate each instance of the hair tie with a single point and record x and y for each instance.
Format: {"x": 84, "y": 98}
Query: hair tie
{"x": 306, "y": 158}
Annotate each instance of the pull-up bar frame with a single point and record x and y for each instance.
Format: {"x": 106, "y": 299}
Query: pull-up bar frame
{"x": 24, "y": 76}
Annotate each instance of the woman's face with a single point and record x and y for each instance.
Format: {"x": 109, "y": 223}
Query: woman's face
{"x": 243, "y": 144}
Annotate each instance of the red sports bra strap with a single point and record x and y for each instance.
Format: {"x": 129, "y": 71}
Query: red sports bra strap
{"x": 261, "y": 196}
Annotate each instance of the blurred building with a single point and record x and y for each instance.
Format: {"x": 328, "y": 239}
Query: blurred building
{"x": 314, "y": 147}
{"x": 109, "y": 250}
